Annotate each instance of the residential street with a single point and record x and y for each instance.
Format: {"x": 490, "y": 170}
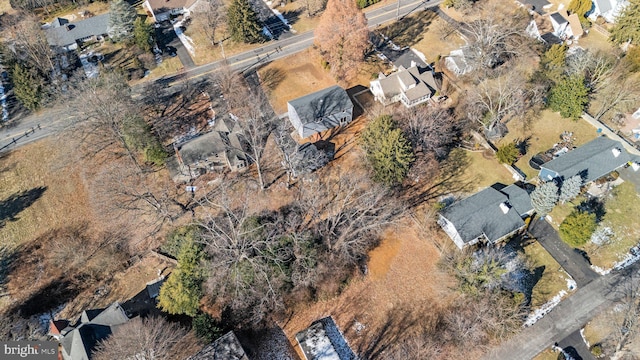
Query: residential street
{"x": 566, "y": 318}
{"x": 570, "y": 260}
{"x": 51, "y": 119}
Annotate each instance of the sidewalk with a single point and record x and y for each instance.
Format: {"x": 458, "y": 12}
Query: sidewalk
{"x": 612, "y": 135}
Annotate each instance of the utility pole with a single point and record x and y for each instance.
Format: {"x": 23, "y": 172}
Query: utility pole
{"x": 398, "y": 10}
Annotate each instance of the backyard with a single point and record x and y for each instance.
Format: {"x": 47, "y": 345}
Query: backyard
{"x": 541, "y": 133}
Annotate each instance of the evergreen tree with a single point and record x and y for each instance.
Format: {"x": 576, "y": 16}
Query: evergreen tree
{"x": 388, "y": 151}
{"x": 121, "y": 20}
{"x": 143, "y": 34}
{"x": 627, "y": 27}
{"x": 569, "y": 96}
{"x": 577, "y": 228}
{"x": 243, "y": 22}
{"x": 182, "y": 291}
{"x": 553, "y": 62}
{"x": 580, "y": 7}
{"x": 570, "y": 188}
{"x": 26, "y": 86}
{"x": 508, "y": 153}
{"x": 544, "y": 198}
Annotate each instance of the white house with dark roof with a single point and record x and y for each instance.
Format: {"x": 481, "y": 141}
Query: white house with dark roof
{"x": 591, "y": 161}
{"x": 491, "y": 215}
{"x": 608, "y": 9}
{"x": 410, "y": 86}
{"x": 565, "y": 26}
{"x": 320, "y": 111}
{"x": 68, "y": 35}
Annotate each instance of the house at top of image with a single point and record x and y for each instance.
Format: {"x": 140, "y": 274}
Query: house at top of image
{"x": 68, "y": 36}
{"x": 608, "y": 9}
{"x": 591, "y": 161}
{"x": 412, "y": 86}
{"x": 565, "y": 26}
{"x": 491, "y": 215}
{"x": 162, "y": 10}
{"x": 320, "y": 111}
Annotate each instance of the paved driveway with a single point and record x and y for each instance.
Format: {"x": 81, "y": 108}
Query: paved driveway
{"x": 574, "y": 345}
{"x": 570, "y": 260}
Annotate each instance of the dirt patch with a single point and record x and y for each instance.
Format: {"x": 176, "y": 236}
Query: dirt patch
{"x": 403, "y": 278}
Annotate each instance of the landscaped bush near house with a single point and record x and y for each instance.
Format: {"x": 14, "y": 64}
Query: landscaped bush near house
{"x": 576, "y": 229}
{"x": 508, "y": 154}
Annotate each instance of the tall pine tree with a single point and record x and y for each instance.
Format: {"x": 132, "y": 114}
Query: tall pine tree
{"x": 26, "y": 86}
{"x": 243, "y": 22}
{"x": 121, "y": 20}
{"x": 627, "y": 27}
{"x": 143, "y": 34}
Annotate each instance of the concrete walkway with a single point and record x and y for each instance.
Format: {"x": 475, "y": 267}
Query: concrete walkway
{"x": 610, "y": 133}
{"x": 570, "y": 260}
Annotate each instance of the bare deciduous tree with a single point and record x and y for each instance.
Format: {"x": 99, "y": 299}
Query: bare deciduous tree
{"x": 210, "y": 16}
{"x": 31, "y": 44}
{"x": 625, "y": 317}
{"x": 151, "y": 338}
{"x": 618, "y": 92}
{"x": 430, "y": 129}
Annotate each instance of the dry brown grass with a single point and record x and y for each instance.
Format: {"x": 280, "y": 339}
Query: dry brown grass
{"x": 292, "y": 77}
{"x": 432, "y": 45}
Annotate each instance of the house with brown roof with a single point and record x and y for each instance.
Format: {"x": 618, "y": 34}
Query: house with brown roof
{"x": 565, "y": 26}
{"x": 412, "y": 86}
{"x": 161, "y": 10}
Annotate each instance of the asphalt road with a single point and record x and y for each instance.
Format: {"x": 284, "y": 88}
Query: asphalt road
{"x": 50, "y": 120}
{"x": 566, "y": 318}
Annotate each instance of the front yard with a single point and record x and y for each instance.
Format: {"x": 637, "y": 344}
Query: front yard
{"x": 551, "y": 278}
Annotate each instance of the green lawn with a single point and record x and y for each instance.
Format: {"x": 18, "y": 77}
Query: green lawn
{"x": 541, "y": 133}
{"x": 622, "y": 211}
{"x": 482, "y": 171}
{"x": 553, "y": 279}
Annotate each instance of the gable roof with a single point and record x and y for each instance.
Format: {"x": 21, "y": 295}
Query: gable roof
{"x": 591, "y": 160}
{"x": 422, "y": 80}
{"x": 481, "y": 213}
{"x": 63, "y": 33}
{"x": 92, "y": 327}
{"x": 324, "y": 341}
{"x": 574, "y": 24}
{"x": 227, "y": 347}
{"x": 603, "y": 5}
{"x": 558, "y": 18}
{"x": 315, "y": 110}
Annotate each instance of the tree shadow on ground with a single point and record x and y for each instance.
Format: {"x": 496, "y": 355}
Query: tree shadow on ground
{"x": 593, "y": 206}
{"x": 16, "y": 203}
{"x": 409, "y": 30}
{"x": 523, "y": 144}
{"x": 56, "y": 293}
{"x": 272, "y": 77}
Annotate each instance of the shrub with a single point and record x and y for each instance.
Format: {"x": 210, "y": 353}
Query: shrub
{"x": 508, "y": 154}
{"x": 206, "y": 327}
{"x": 577, "y": 228}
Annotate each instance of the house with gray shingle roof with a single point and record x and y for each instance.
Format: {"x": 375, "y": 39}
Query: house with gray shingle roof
{"x": 460, "y": 61}
{"x": 324, "y": 341}
{"x": 226, "y": 347}
{"x": 410, "y": 86}
{"x": 491, "y": 215}
{"x": 93, "y": 326}
{"x": 320, "y": 111}
{"x": 608, "y": 9}
{"x": 591, "y": 161}
{"x": 68, "y": 35}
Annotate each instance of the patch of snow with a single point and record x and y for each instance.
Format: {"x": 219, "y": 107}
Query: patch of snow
{"x": 184, "y": 39}
{"x": 600, "y": 270}
{"x": 3, "y": 103}
{"x": 602, "y": 235}
{"x": 630, "y": 258}
{"x": 544, "y": 309}
{"x": 267, "y": 33}
{"x": 420, "y": 55}
{"x": 279, "y": 15}
{"x": 571, "y": 284}
{"x": 584, "y": 338}
{"x": 90, "y": 69}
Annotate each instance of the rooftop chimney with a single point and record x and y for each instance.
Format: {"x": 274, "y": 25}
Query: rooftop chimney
{"x": 616, "y": 152}
{"x": 504, "y": 207}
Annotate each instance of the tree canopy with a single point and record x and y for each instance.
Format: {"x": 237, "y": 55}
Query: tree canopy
{"x": 341, "y": 36}
{"x": 182, "y": 291}
{"x": 508, "y": 153}
{"x": 576, "y": 229}
{"x": 243, "y": 22}
{"x": 388, "y": 151}
{"x": 544, "y": 198}
{"x": 569, "y": 96}
{"x": 26, "y": 86}
{"x": 121, "y": 20}
{"x": 627, "y": 27}
{"x": 143, "y": 34}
